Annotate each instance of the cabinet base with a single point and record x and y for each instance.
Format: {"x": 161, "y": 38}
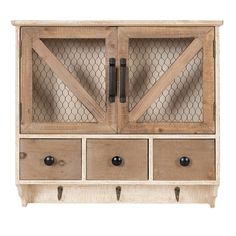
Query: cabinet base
{"x": 40, "y": 193}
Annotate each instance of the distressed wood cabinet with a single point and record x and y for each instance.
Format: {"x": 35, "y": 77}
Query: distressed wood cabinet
{"x": 117, "y": 111}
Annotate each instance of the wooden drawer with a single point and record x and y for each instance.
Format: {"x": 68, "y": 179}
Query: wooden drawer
{"x": 101, "y": 164}
{"x": 63, "y": 162}
{"x": 186, "y": 159}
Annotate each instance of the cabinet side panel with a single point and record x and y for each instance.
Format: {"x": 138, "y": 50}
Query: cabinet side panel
{"x": 217, "y": 101}
{"x": 17, "y": 101}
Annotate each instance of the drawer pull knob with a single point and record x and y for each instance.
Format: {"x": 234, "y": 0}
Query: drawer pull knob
{"x": 59, "y": 192}
{"x": 118, "y": 192}
{"x": 117, "y": 161}
{"x": 184, "y": 161}
{"x": 49, "y": 160}
{"x": 177, "y": 192}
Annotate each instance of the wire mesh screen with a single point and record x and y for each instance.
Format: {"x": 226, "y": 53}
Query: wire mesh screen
{"x": 85, "y": 59}
{"x": 52, "y": 100}
{"x": 148, "y": 61}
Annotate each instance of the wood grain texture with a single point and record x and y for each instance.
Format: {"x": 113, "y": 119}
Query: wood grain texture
{"x": 133, "y": 152}
{"x": 121, "y": 136}
{"x": 26, "y": 81}
{"x": 164, "y": 32}
{"x": 84, "y": 158}
{"x": 25, "y": 193}
{"x": 17, "y": 101}
{"x": 68, "y": 128}
{"x": 118, "y": 23}
{"x": 208, "y": 74}
{"x": 120, "y": 182}
{"x": 166, "y": 155}
{"x": 150, "y": 158}
{"x": 217, "y": 100}
{"x": 123, "y": 50}
{"x": 129, "y": 194}
{"x": 68, "y": 32}
{"x": 33, "y": 152}
{"x": 111, "y": 52}
{"x": 167, "y": 128}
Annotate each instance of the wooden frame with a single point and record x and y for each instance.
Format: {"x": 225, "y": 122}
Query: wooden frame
{"x": 31, "y": 39}
{"x": 146, "y": 23}
{"x": 83, "y": 190}
{"x": 203, "y": 39}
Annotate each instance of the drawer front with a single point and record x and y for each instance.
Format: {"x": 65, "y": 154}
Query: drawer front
{"x": 117, "y": 159}
{"x": 184, "y": 159}
{"x": 50, "y": 159}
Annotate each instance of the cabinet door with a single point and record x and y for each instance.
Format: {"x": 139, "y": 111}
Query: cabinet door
{"x": 169, "y": 80}
{"x": 64, "y": 79}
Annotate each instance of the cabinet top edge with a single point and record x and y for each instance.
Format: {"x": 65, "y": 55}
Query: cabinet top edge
{"x": 118, "y": 23}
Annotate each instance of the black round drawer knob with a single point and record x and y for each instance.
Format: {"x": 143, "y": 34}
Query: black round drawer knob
{"x": 49, "y": 160}
{"x": 184, "y": 161}
{"x": 117, "y": 161}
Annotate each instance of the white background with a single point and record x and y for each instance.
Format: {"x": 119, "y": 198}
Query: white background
{"x": 117, "y": 219}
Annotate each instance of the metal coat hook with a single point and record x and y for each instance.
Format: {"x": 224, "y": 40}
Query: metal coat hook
{"x": 118, "y": 192}
{"x": 177, "y": 192}
{"x": 59, "y": 192}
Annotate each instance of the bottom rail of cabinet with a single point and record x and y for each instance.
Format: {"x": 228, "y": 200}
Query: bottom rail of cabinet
{"x": 117, "y": 194}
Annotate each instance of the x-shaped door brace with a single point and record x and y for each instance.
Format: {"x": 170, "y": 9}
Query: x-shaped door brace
{"x": 70, "y": 81}
{"x": 165, "y": 80}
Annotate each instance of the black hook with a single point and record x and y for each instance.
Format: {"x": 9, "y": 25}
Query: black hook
{"x": 59, "y": 192}
{"x": 118, "y": 192}
{"x": 177, "y": 192}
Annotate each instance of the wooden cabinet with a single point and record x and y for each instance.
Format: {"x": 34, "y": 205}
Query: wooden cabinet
{"x": 112, "y": 107}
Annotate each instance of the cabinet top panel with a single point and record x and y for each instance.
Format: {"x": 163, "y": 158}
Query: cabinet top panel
{"x": 117, "y": 23}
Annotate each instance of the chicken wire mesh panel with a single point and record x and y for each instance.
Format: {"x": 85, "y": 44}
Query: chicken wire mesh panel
{"x": 148, "y": 61}
{"x": 52, "y": 100}
{"x": 181, "y": 101}
{"x": 85, "y": 60}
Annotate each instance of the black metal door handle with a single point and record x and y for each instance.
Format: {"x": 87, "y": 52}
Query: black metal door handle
{"x": 122, "y": 80}
{"x": 112, "y": 79}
